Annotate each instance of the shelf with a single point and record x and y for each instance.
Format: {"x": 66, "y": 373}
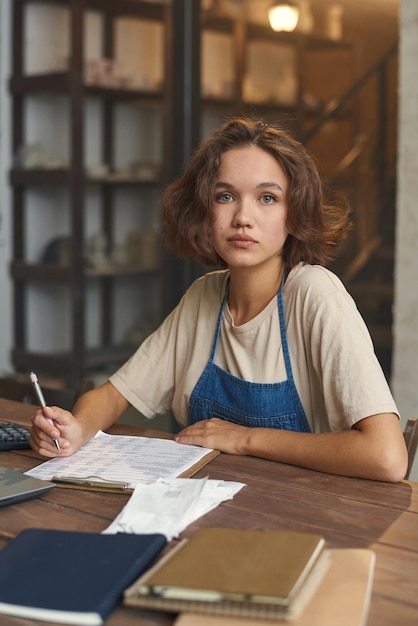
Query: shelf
{"x": 107, "y": 118}
{"x": 48, "y": 82}
{"x": 25, "y": 272}
{"x": 130, "y": 8}
{"x": 49, "y": 272}
{"x": 37, "y": 177}
{"x": 218, "y": 23}
{"x": 60, "y": 82}
{"x": 288, "y": 64}
{"x": 309, "y": 42}
{"x": 32, "y": 177}
{"x": 113, "y": 93}
{"x": 60, "y": 363}
{"x": 270, "y": 105}
{"x": 130, "y": 270}
{"x": 215, "y": 102}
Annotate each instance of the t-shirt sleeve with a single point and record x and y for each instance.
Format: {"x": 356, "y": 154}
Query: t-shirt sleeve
{"x": 146, "y": 380}
{"x": 353, "y": 383}
{"x": 162, "y": 372}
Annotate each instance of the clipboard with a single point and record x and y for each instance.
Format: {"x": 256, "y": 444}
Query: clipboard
{"x": 92, "y": 483}
{"x": 117, "y": 463}
{"x": 86, "y": 484}
{"x": 197, "y": 466}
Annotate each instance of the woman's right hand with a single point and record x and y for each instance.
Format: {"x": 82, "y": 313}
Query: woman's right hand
{"x": 63, "y": 426}
{"x": 95, "y": 410}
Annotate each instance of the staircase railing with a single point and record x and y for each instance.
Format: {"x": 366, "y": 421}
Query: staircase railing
{"x": 373, "y": 155}
{"x": 368, "y": 171}
{"x": 335, "y": 106}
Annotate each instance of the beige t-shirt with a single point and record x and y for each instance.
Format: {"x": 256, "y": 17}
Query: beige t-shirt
{"x": 336, "y": 372}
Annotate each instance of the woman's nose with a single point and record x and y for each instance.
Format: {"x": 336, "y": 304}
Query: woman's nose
{"x": 243, "y": 214}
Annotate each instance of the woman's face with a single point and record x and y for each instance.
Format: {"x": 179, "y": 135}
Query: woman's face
{"x": 250, "y": 210}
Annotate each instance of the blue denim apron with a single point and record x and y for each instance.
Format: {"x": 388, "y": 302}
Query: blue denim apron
{"x": 270, "y": 405}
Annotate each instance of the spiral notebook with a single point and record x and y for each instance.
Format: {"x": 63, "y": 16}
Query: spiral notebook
{"x": 227, "y": 571}
{"x": 342, "y": 598}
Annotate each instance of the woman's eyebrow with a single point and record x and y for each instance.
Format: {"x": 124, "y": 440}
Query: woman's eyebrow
{"x": 220, "y": 183}
{"x": 266, "y": 185}
{"x": 269, "y": 186}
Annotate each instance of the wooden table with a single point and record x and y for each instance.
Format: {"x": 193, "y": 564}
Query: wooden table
{"x": 348, "y": 512}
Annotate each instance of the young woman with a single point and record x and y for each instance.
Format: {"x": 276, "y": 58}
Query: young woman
{"x": 268, "y": 357}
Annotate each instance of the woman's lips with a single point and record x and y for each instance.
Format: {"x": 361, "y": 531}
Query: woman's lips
{"x": 241, "y": 241}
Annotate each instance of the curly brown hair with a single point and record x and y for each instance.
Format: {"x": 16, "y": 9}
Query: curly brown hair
{"x": 315, "y": 228}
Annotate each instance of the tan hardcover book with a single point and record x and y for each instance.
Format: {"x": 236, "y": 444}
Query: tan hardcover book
{"x": 232, "y": 572}
{"x": 342, "y": 598}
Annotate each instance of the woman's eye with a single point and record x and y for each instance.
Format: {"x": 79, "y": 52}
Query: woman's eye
{"x": 224, "y": 197}
{"x": 268, "y": 199}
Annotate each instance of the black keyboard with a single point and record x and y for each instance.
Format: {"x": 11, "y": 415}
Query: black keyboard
{"x": 14, "y": 437}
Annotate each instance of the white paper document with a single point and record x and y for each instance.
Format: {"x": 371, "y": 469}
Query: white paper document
{"x": 168, "y": 506}
{"x": 125, "y": 459}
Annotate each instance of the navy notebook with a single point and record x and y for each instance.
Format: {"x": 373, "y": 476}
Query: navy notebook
{"x": 70, "y": 577}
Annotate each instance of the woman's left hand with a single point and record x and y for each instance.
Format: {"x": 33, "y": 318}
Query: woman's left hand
{"x": 216, "y": 433}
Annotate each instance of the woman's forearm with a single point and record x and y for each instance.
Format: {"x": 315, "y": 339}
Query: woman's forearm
{"x": 98, "y": 409}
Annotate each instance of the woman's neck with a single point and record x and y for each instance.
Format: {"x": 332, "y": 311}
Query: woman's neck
{"x": 250, "y": 293}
